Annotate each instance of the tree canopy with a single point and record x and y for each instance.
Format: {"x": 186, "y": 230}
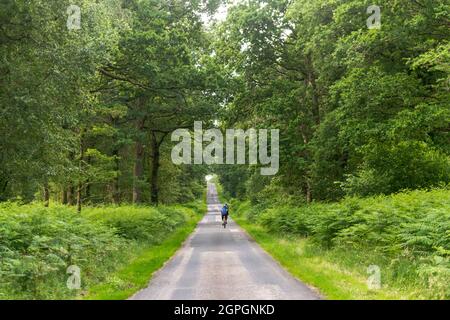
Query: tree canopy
{"x": 86, "y": 112}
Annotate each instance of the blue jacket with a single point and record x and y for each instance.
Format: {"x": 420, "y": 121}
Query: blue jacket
{"x": 224, "y": 210}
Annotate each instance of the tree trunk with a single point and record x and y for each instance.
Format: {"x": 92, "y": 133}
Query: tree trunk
{"x": 46, "y": 195}
{"x": 79, "y": 200}
{"x": 80, "y": 169}
{"x": 64, "y": 196}
{"x": 308, "y": 192}
{"x": 311, "y": 78}
{"x": 154, "y": 192}
{"x": 115, "y": 189}
{"x": 5, "y": 185}
{"x": 70, "y": 195}
{"x": 315, "y": 100}
{"x": 306, "y": 155}
{"x": 138, "y": 172}
{"x": 87, "y": 192}
{"x": 70, "y": 188}
{"x": 3, "y": 190}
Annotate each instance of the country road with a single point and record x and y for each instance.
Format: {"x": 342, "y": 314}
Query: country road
{"x": 217, "y": 263}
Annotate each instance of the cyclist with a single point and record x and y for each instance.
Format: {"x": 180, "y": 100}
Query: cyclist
{"x": 224, "y": 211}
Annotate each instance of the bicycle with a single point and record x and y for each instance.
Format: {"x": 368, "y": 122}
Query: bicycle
{"x": 224, "y": 221}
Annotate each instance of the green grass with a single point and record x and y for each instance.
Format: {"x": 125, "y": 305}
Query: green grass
{"x": 331, "y": 245}
{"x": 136, "y": 275}
{"x": 116, "y": 248}
{"x": 332, "y": 280}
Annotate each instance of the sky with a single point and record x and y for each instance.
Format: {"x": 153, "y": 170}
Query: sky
{"x": 219, "y": 16}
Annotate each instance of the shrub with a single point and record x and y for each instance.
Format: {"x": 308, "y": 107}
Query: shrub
{"x": 417, "y": 221}
{"x": 408, "y": 232}
{"x": 38, "y": 244}
{"x": 138, "y": 223}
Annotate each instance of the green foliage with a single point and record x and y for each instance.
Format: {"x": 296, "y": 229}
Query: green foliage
{"x": 337, "y": 274}
{"x": 85, "y": 117}
{"x": 76, "y": 104}
{"x": 390, "y": 168}
{"x": 47, "y": 73}
{"x": 38, "y": 244}
{"x": 360, "y": 111}
{"x": 407, "y": 232}
{"x": 134, "y": 276}
{"x": 139, "y": 223}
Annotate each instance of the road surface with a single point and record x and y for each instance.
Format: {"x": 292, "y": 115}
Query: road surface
{"x": 222, "y": 264}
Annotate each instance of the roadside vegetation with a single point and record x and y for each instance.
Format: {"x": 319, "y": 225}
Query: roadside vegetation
{"x": 332, "y": 246}
{"x": 87, "y": 175}
{"x": 363, "y": 117}
{"x": 117, "y": 247}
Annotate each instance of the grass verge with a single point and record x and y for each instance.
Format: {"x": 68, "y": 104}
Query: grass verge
{"x": 136, "y": 275}
{"x": 317, "y": 270}
{"x": 115, "y": 248}
{"x": 400, "y": 239}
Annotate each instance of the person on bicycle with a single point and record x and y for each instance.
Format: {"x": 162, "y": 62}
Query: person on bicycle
{"x": 224, "y": 211}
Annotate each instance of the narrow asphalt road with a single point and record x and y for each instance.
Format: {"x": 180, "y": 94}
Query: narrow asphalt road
{"x": 222, "y": 264}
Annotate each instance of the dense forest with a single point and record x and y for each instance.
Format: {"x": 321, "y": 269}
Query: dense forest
{"x": 360, "y": 111}
{"x": 363, "y": 109}
{"x": 86, "y": 113}
{"x": 91, "y": 91}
